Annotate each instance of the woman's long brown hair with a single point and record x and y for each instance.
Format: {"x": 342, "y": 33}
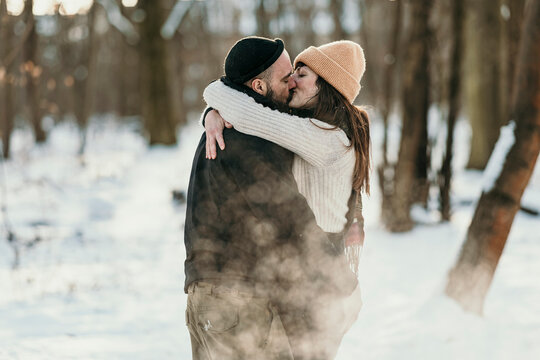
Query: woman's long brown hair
{"x": 333, "y": 108}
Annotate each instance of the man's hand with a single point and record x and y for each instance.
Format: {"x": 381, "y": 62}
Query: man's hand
{"x": 214, "y": 125}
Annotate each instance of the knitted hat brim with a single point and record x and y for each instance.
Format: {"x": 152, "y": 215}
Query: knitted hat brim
{"x": 323, "y": 65}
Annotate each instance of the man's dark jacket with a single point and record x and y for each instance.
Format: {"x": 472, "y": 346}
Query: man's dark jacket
{"x": 247, "y": 226}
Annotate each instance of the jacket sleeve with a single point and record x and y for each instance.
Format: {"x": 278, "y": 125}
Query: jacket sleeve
{"x": 315, "y": 141}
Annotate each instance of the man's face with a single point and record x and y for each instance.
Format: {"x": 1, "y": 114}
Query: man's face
{"x": 278, "y": 87}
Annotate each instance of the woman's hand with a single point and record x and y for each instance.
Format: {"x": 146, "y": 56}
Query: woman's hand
{"x": 214, "y": 125}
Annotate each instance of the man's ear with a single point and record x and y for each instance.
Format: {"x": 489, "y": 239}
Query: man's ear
{"x": 259, "y": 86}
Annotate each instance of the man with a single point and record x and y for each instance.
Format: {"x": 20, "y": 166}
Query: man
{"x": 247, "y": 233}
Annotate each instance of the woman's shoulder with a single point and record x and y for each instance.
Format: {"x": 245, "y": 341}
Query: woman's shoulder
{"x": 338, "y": 133}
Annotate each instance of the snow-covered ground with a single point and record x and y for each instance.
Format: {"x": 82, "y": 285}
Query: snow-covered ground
{"x": 101, "y": 261}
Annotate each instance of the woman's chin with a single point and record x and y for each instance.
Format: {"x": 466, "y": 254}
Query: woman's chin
{"x": 293, "y": 105}
{"x": 296, "y": 104}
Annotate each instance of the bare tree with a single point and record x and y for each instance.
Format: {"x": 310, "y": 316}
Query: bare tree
{"x": 386, "y": 169}
{"x": 415, "y": 100}
{"x": 263, "y": 20}
{"x": 368, "y": 32}
{"x": 390, "y": 63}
{"x": 482, "y": 80}
{"x": 6, "y": 100}
{"x": 336, "y": 8}
{"x": 511, "y": 29}
{"x": 445, "y": 175}
{"x": 470, "y": 279}
{"x": 285, "y": 34}
{"x": 157, "y": 109}
{"x": 33, "y": 72}
{"x": 304, "y": 35}
{"x": 86, "y": 88}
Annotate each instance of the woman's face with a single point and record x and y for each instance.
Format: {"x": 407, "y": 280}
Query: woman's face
{"x": 304, "y": 93}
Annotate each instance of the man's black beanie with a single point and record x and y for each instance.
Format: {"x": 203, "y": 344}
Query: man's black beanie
{"x": 250, "y": 56}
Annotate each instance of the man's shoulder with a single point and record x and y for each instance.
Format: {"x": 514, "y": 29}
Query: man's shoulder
{"x": 234, "y": 134}
{"x": 236, "y": 141}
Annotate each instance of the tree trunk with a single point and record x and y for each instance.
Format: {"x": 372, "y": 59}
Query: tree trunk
{"x": 390, "y": 64}
{"x": 386, "y": 170}
{"x": 303, "y": 32}
{"x": 6, "y": 99}
{"x": 420, "y": 191}
{"x": 157, "y": 110}
{"x": 284, "y": 32}
{"x": 415, "y": 99}
{"x": 482, "y": 78}
{"x": 122, "y": 70}
{"x": 263, "y": 21}
{"x": 471, "y": 277}
{"x": 33, "y": 73}
{"x": 511, "y": 29}
{"x": 85, "y": 88}
{"x": 445, "y": 175}
{"x": 90, "y": 86}
{"x": 371, "y": 87}
{"x": 336, "y": 8}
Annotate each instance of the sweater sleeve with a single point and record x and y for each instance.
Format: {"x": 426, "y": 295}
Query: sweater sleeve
{"x": 313, "y": 140}
{"x": 202, "y": 119}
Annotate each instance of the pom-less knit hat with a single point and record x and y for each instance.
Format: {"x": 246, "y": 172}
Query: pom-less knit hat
{"x": 250, "y": 56}
{"x": 340, "y": 63}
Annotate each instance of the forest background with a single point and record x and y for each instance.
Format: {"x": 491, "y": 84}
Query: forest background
{"x": 452, "y": 88}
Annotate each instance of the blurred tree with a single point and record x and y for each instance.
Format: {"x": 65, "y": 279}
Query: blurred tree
{"x": 303, "y": 33}
{"x": 6, "y": 79}
{"x": 157, "y": 110}
{"x": 285, "y": 33}
{"x": 482, "y": 77}
{"x": 191, "y": 30}
{"x": 33, "y": 73}
{"x": 385, "y": 168}
{"x": 389, "y": 66}
{"x": 411, "y": 169}
{"x": 336, "y": 8}
{"x": 66, "y": 57}
{"x": 124, "y": 70}
{"x": 263, "y": 20}
{"x": 88, "y": 86}
{"x": 470, "y": 279}
{"x": 512, "y": 15}
{"x": 445, "y": 174}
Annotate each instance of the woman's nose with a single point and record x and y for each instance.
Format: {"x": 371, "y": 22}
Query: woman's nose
{"x": 292, "y": 82}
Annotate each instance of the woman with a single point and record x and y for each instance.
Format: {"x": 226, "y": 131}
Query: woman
{"x": 332, "y": 147}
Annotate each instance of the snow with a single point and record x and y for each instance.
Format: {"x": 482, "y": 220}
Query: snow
{"x": 496, "y": 160}
{"x": 106, "y": 279}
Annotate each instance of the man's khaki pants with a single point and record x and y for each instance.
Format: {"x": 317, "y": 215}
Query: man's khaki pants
{"x": 228, "y": 324}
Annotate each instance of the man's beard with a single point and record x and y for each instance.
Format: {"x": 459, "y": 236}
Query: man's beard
{"x": 289, "y": 98}
{"x": 279, "y": 104}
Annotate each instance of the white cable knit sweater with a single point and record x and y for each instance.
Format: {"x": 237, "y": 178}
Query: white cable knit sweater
{"x": 323, "y": 164}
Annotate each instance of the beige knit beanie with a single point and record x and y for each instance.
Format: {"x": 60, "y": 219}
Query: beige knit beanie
{"x": 340, "y": 63}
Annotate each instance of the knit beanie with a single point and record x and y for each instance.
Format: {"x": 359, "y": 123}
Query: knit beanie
{"x": 340, "y": 63}
{"x": 250, "y": 56}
